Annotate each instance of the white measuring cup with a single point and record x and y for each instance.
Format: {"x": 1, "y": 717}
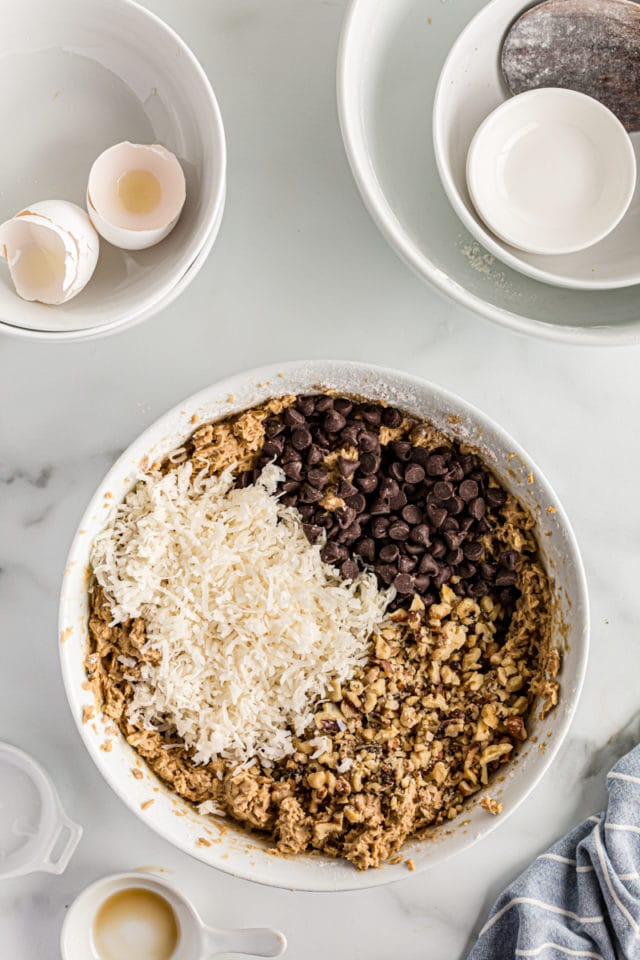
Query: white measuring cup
{"x": 35, "y": 832}
{"x": 196, "y": 940}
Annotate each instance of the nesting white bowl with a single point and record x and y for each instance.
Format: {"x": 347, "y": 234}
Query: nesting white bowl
{"x": 390, "y": 59}
{"x": 551, "y": 171}
{"x": 233, "y": 850}
{"x": 79, "y": 76}
{"x": 470, "y": 88}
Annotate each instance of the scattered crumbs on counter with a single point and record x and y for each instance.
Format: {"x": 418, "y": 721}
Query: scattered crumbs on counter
{"x": 530, "y": 477}
{"x": 106, "y": 746}
{"x": 194, "y": 418}
{"x": 395, "y": 860}
{"x": 410, "y": 864}
{"x": 201, "y": 842}
{"x": 281, "y": 375}
{"x": 137, "y": 773}
{"x": 88, "y": 712}
{"x": 146, "y": 804}
{"x": 65, "y": 634}
{"x": 230, "y": 398}
{"x": 551, "y": 510}
{"x": 108, "y": 495}
{"x": 494, "y": 807}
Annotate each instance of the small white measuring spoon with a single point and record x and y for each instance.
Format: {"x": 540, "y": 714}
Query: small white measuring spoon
{"x": 196, "y": 940}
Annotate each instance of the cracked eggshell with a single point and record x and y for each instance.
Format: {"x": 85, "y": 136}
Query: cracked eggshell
{"x": 64, "y": 230}
{"x": 124, "y": 228}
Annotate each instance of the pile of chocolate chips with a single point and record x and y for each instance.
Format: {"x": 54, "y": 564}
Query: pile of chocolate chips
{"x": 416, "y": 516}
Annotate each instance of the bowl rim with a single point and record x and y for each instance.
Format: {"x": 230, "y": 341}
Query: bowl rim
{"x": 238, "y": 865}
{"x": 375, "y": 201}
{"x": 204, "y": 237}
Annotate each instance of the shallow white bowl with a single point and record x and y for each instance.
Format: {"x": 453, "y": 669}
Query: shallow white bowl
{"x": 469, "y": 89}
{"x": 79, "y": 76}
{"x": 551, "y": 171}
{"x": 391, "y": 55}
{"x": 234, "y": 851}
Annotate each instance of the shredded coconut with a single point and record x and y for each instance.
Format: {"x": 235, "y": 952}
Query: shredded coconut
{"x": 250, "y": 624}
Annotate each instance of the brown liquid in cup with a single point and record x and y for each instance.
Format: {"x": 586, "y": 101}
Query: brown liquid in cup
{"x": 135, "y": 924}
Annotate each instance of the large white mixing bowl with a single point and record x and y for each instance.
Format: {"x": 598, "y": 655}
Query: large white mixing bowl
{"x": 233, "y": 850}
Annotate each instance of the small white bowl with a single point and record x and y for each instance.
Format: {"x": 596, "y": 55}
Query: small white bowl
{"x": 92, "y": 73}
{"x": 551, "y": 171}
{"x": 224, "y": 844}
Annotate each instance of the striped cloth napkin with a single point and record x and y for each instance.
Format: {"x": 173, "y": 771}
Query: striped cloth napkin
{"x": 582, "y": 898}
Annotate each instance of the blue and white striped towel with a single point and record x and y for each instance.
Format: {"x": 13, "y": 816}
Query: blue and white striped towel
{"x": 582, "y": 898}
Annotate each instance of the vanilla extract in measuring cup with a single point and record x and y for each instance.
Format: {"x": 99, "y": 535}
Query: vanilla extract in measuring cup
{"x": 135, "y": 924}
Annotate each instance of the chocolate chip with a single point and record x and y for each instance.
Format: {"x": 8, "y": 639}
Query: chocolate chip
{"x": 429, "y": 565}
{"x": 349, "y": 570}
{"x": 300, "y": 438}
{"x": 293, "y": 470}
{"x": 466, "y": 570}
{"x": 505, "y": 578}
{"x": 309, "y": 494}
{"x": 368, "y": 443}
{"x": 391, "y": 417}
{"x": 412, "y": 514}
{"x": 318, "y": 476}
{"x": 477, "y": 508}
{"x": 293, "y": 417}
{"x": 347, "y": 467}
{"x": 413, "y": 549}
{"x": 399, "y": 530}
{"x": 380, "y": 506}
{"x": 324, "y": 403}
{"x": 289, "y": 454}
{"x": 488, "y": 570}
{"x": 371, "y": 414}
{"x": 398, "y": 501}
{"x": 455, "y": 472}
{"x": 473, "y": 550}
{"x": 443, "y": 490}
{"x": 401, "y": 449}
{"x": 386, "y": 572}
{"x": 290, "y": 486}
{"x": 455, "y": 506}
{"x": 436, "y": 465}
{"x": 334, "y": 422}
{"x": 422, "y": 582}
{"x": 273, "y": 427}
{"x": 343, "y": 406}
{"x": 314, "y": 455}
{"x": 345, "y": 516}
{"x": 437, "y": 515}
{"x": 414, "y": 473}
{"x": 306, "y": 405}
{"x": 332, "y": 552}
{"x": 273, "y": 448}
{"x": 367, "y": 484}
{"x": 407, "y": 564}
{"x": 421, "y": 534}
{"x": 508, "y": 559}
{"x": 453, "y": 539}
{"x": 389, "y": 553}
{"x": 312, "y": 531}
{"x": 495, "y": 496}
{"x": 468, "y": 490}
{"x": 420, "y": 455}
{"x": 442, "y": 576}
{"x": 346, "y": 489}
{"x": 369, "y": 464}
{"x": 366, "y": 549}
{"x": 396, "y": 470}
{"x": 403, "y": 583}
{"x": 379, "y": 527}
{"x": 478, "y": 589}
{"x": 450, "y": 525}
{"x": 454, "y": 557}
{"x": 438, "y": 549}
{"x": 358, "y": 502}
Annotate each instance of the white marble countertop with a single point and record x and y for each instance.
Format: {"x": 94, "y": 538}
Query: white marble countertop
{"x": 299, "y": 270}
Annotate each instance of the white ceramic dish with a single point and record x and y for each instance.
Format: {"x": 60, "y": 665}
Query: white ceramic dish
{"x": 470, "y": 88}
{"x": 551, "y": 171}
{"x": 92, "y": 73}
{"x": 390, "y": 58}
{"x": 197, "y": 940}
{"x": 233, "y": 850}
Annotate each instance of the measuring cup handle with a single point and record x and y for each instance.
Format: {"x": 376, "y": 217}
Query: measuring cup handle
{"x": 253, "y": 942}
{"x": 68, "y": 833}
